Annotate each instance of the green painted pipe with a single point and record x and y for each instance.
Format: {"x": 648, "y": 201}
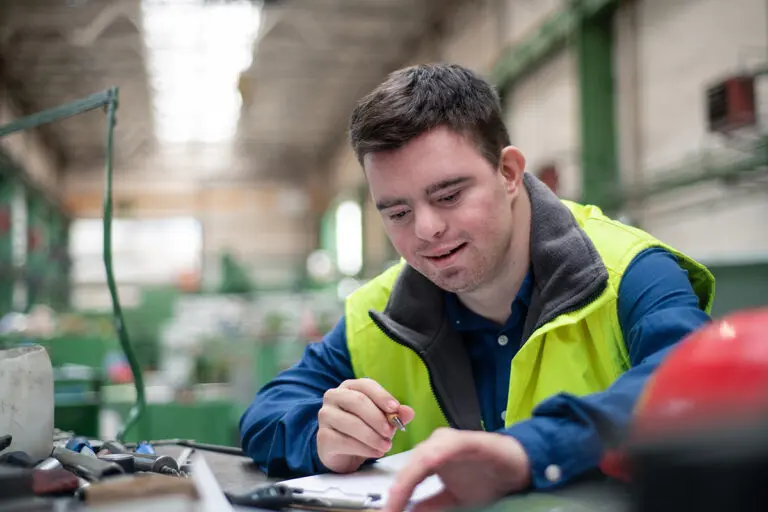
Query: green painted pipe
{"x": 108, "y": 100}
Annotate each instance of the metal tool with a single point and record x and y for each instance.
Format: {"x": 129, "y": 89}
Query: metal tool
{"x": 271, "y": 497}
{"x": 145, "y": 462}
{"x": 396, "y": 421}
{"x": 124, "y": 460}
{"x": 163, "y": 464}
{"x": 5, "y": 441}
{"x": 85, "y": 466}
{"x": 189, "y": 443}
{"x": 114, "y": 447}
{"x": 48, "y": 464}
{"x": 184, "y": 461}
{"x": 280, "y": 496}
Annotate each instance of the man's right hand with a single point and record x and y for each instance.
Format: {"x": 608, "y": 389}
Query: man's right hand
{"x": 353, "y": 425}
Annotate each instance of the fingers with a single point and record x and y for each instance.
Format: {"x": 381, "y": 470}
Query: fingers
{"x": 353, "y": 421}
{"x": 343, "y": 444}
{"x": 375, "y": 392}
{"x": 406, "y": 414}
{"x": 352, "y": 397}
{"x": 354, "y": 427}
{"x": 424, "y": 462}
{"x": 440, "y": 501}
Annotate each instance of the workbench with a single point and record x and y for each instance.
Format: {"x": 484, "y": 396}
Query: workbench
{"x": 593, "y": 494}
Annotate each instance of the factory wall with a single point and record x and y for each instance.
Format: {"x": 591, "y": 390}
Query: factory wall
{"x": 667, "y": 54}
{"x": 27, "y": 149}
{"x": 263, "y": 225}
{"x": 542, "y": 116}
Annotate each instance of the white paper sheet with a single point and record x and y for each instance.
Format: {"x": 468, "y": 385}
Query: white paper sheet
{"x": 375, "y": 479}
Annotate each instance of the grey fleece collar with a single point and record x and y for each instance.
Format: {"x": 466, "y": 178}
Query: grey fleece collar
{"x": 567, "y": 274}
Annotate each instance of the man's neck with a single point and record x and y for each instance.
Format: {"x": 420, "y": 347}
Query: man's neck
{"x": 494, "y": 300}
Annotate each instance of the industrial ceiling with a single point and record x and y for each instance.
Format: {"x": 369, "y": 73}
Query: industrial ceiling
{"x": 305, "y": 64}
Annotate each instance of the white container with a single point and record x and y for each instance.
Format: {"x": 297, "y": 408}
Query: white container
{"x": 26, "y": 400}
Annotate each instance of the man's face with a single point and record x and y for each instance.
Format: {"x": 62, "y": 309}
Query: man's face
{"x": 445, "y": 208}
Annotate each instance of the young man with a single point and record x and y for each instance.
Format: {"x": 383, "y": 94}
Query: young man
{"x": 525, "y": 324}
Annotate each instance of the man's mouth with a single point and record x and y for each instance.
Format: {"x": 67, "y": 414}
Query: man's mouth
{"x": 443, "y": 255}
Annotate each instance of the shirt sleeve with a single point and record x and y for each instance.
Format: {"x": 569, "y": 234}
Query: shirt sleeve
{"x": 278, "y": 430}
{"x": 566, "y": 435}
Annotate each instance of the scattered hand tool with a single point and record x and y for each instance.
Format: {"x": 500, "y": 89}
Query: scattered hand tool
{"x": 189, "y": 443}
{"x": 185, "y": 463}
{"x": 86, "y": 466}
{"x": 145, "y": 462}
{"x": 5, "y": 441}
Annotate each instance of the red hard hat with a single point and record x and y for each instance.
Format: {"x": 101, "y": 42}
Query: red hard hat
{"x": 716, "y": 377}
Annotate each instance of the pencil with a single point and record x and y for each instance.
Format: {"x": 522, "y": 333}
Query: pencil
{"x": 395, "y": 420}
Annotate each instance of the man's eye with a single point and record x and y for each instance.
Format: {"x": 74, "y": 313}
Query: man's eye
{"x": 398, "y": 216}
{"x": 450, "y": 198}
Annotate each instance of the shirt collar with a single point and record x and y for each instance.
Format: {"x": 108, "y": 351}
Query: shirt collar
{"x": 463, "y": 319}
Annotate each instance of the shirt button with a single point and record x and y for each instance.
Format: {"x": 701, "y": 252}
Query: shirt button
{"x": 503, "y": 415}
{"x": 503, "y": 340}
{"x": 553, "y": 473}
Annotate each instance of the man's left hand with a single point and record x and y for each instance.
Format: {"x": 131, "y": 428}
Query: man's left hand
{"x": 475, "y": 467}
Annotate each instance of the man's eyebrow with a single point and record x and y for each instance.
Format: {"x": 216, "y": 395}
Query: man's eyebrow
{"x": 436, "y": 187}
{"x": 389, "y": 203}
{"x": 440, "y": 185}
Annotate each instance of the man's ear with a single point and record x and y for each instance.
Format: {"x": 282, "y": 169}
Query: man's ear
{"x": 511, "y": 168}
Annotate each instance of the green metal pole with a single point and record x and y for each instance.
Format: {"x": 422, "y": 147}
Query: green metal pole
{"x": 599, "y": 152}
{"x": 92, "y": 102}
{"x": 122, "y": 330}
{"x": 106, "y": 99}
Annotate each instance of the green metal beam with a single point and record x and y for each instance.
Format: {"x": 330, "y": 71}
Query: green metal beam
{"x": 98, "y": 100}
{"x": 554, "y": 32}
{"x": 597, "y": 95}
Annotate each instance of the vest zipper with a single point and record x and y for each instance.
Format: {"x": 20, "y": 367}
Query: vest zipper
{"x": 392, "y": 336}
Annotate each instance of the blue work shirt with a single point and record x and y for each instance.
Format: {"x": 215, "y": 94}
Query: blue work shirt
{"x": 491, "y": 348}
{"x": 656, "y": 307}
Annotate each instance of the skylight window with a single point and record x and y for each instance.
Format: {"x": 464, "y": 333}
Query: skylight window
{"x": 195, "y": 51}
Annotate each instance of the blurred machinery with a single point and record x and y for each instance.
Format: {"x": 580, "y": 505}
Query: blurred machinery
{"x": 698, "y": 440}
{"x": 731, "y": 104}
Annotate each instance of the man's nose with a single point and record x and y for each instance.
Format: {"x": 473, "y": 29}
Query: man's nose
{"x": 429, "y": 224}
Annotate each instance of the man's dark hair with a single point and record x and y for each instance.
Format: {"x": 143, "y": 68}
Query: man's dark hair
{"x": 416, "y": 99}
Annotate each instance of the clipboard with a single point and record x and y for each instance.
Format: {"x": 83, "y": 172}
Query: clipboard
{"x": 371, "y": 481}
{"x": 362, "y": 491}
{"x": 280, "y": 496}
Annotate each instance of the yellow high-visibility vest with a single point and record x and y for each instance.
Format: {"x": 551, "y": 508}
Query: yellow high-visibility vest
{"x": 398, "y": 334}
